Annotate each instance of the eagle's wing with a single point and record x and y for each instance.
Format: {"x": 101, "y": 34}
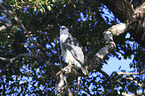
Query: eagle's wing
{"x": 63, "y": 45}
{"x": 68, "y": 43}
{"x": 76, "y": 49}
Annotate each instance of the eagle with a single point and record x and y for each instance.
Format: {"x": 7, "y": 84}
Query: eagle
{"x": 71, "y": 50}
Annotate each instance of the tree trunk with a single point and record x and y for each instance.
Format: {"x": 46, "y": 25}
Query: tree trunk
{"x": 123, "y": 10}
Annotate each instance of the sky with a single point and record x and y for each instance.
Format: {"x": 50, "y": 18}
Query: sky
{"x": 114, "y": 64}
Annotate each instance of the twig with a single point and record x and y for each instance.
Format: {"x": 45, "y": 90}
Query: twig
{"x": 78, "y": 89}
{"x": 104, "y": 73}
{"x": 124, "y": 73}
{"x": 130, "y": 78}
{"x": 130, "y": 1}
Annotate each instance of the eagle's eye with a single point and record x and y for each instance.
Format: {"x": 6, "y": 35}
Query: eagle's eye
{"x": 63, "y": 28}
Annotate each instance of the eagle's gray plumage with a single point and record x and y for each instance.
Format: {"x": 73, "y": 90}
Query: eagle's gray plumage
{"x": 71, "y": 50}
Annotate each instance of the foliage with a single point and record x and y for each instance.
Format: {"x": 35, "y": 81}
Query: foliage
{"x": 41, "y": 18}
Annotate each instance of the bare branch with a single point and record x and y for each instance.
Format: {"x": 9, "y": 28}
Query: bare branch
{"x": 110, "y": 44}
{"x": 130, "y": 78}
{"x": 65, "y": 70}
{"x": 126, "y": 94}
{"x": 78, "y": 88}
{"x": 63, "y": 82}
{"x": 136, "y": 82}
{"x": 105, "y": 74}
{"x": 108, "y": 35}
{"x": 124, "y": 73}
{"x": 116, "y": 30}
{"x": 12, "y": 60}
{"x": 6, "y": 23}
{"x": 19, "y": 56}
{"x": 63, "y": 85}
{"x": 2, "y": 28}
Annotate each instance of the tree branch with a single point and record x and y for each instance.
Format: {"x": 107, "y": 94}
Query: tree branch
{"x": 19, "y": 56}
{"x": 12, "y": 60}
{"x": 78, "y": 86}
{"x": 124, "y": 73}
{"x": 63, "y": 82}
{"x": 110, "y": 44}
{"x": 6, "y": 23}
{"x": 115, "y": 30}
{"x": 105, "y": 74}
{"x": 130, "y": 78}
{"x": 63, "y": 85}
{"x": 2, "y": 28}
{"x": 127, "y": 94}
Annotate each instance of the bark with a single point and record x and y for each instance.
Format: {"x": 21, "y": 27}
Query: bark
{"x": 134, "y": 18}
{"x": 136, "y": 25}
{"x": 120, "y": 8}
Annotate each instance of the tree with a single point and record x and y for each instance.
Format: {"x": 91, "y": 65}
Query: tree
{"x": 30, "y": 57}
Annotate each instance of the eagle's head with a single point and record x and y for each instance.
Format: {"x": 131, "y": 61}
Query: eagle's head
{"x": 64, "y": 30}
